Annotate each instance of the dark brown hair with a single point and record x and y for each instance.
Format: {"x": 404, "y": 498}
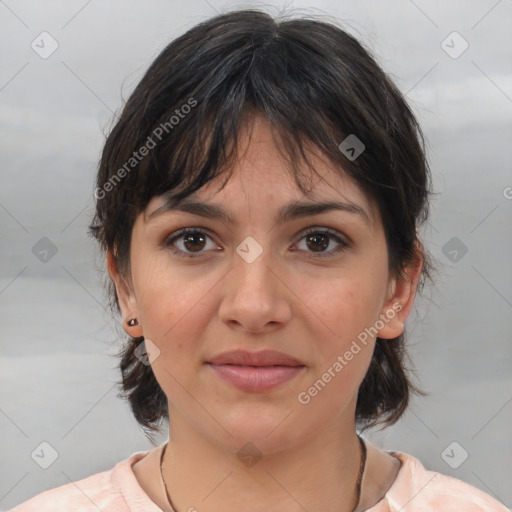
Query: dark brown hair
{"x": 317, "y": 85}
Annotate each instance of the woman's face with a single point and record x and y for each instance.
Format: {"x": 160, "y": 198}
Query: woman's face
{"x": 258, "y": 283}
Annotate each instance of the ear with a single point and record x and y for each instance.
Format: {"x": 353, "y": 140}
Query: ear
{"x": 126, "y": 297}
{"x": 401, "y": 295}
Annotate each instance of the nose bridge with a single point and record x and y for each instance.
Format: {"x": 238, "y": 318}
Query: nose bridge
{"x": 252, "y": 265}
{"x": 254, "y": 298}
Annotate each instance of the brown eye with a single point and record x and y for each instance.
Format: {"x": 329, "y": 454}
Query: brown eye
{"x": 317, "y": 241}
{"x": 188, "y": 242}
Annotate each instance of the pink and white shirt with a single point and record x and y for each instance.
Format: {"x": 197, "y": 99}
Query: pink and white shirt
{"x": 117, "y": 490}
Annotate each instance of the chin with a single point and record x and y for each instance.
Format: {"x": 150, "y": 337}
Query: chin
{"x": 271, "y": 431}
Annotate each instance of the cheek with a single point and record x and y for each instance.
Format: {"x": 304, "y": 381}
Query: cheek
{"x": 343, "y": 307}
{"x": 173, "y": 303}
{"x": 175, "y": 311}
{"x": 344, "y": 351}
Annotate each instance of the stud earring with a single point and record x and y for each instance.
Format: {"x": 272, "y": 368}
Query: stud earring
{"x": 133, "y": 322}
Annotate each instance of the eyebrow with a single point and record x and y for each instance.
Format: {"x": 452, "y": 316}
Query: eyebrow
{"x": 291, "y": 211}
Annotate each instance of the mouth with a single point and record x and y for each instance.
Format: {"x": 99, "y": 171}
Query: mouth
{"x": 256, "y": 379}
{"x": 263, "y": 358}
{"x": 255, "y": 372}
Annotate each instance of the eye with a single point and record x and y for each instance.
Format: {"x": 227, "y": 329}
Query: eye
{"x": 319, "y": 239}
{"x": 192, "y": 240}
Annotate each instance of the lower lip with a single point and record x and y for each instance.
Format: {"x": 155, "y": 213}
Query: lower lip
{"x": 256, "y": 378}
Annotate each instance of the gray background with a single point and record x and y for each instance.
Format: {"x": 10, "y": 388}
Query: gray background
{"x": 57, "y": 373}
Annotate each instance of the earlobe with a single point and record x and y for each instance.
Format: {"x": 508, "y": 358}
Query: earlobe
{"x": 399, "y": 305}
{"x": 126, "y": 298}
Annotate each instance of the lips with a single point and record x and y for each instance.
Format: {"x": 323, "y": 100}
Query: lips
{"x": 256, "y": 372}
{"x": 262, "y": 358}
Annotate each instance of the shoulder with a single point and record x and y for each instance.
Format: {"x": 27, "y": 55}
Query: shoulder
{"x": 81, "y": 495}
{"x": 106, "y": 491}
{"x": 417, "y": 489}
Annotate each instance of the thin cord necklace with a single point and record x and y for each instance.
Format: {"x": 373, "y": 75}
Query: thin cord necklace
{"x": 358, "y": 485}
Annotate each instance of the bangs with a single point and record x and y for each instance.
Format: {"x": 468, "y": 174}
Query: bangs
{"x": 195, "y": 120}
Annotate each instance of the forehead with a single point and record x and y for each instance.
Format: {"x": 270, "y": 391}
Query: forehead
{"x": 263, "y": 175}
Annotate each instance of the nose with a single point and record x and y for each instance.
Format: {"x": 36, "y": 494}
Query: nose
{"x": 256, "y": 297}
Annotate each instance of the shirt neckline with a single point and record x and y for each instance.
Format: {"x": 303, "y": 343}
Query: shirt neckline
{"x": 126, "y": 484}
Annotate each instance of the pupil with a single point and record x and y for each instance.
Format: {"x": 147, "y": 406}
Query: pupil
{"x": 317, "y": 237}
{"x": 190, "y": 237}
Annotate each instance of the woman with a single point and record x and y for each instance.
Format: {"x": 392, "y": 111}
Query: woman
{"x": 258, "y": 203}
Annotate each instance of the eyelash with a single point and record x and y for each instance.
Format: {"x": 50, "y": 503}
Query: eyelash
{"x": 192, "y": 231}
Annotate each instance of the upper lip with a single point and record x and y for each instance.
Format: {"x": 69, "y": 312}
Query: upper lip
{"x": 262, "y": 358}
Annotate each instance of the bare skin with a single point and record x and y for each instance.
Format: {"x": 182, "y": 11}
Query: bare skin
{"x": 288, "y": 299}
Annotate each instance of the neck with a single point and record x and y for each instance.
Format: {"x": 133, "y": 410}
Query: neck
{"x": 321, "y": 474}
